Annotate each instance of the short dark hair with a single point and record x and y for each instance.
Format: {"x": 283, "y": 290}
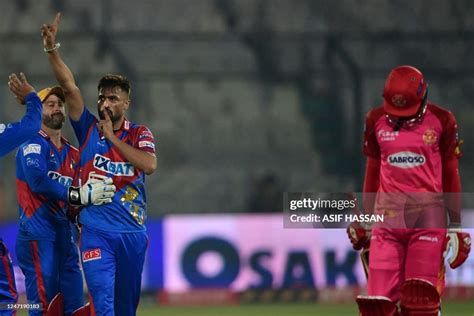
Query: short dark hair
{"x": 112, "y": 80}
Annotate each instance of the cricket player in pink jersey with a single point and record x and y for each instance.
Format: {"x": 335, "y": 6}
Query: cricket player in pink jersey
{"x": 412, "y": 154}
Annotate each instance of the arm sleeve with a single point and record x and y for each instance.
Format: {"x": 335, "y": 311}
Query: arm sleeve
{"x": 371, "y": 149}
{"x": 144, "y": 140}
{"x": 449, "y": 143}
{"x": 33, "y": 157}
{"x": 452, "y": 190}
{"x": 450, "y": 152}
{"x": 371, "y": 146}
{"x": 371, "y": 183}
{"x": 83, "y": 126}
{"x": 14, "y": 134}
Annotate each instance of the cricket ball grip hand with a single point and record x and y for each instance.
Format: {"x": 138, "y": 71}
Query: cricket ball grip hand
{"x": 358, "y": 235}
{"x": 459, "y": 243}
{"x": 97, "y": 191}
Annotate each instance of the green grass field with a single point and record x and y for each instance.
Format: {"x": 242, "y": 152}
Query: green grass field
{"x": 449, "y": 309}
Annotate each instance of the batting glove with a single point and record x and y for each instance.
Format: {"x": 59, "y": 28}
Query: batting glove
{"x": 459, "y": 243}
{"x": 96, "y": 191}
{"x": 358, "y": 235}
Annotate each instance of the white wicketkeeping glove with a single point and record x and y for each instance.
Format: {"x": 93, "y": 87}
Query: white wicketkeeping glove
{"x": 460, "y": 244}
{"x": 98, "y": 190}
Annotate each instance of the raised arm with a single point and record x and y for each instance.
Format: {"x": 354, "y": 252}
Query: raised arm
{"x": 14, "y": 134}
{"x": 63, "y": 74}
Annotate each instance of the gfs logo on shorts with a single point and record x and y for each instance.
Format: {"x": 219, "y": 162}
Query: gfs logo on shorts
{"x": 93, "y": 254}
{"x": 406, "y": 160}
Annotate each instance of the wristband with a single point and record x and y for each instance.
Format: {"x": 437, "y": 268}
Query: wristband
{"x": 52, "y": 49}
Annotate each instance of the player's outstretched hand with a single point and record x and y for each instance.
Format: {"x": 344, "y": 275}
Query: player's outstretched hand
{"x": 358, "y": 235}
{"x": 97, "y": 191}
{"x": 460, "y": 244}
{"x": 49, "y": 31}
{"x": 19, "y": 86}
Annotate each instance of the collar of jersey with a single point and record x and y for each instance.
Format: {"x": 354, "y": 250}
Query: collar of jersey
{"x": 125, "y": 125}
{"x": 45, "y": 136}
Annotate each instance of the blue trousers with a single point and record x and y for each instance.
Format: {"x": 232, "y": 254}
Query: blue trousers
{"x": 113, "y": 265}
{"x": 8, "y": 293}
{"x": 51, "y": 267}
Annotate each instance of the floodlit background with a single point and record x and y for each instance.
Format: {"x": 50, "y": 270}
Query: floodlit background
{"x": 247, "y": 99}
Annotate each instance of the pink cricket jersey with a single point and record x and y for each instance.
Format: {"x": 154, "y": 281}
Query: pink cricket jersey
{"x": 411, "y": 159}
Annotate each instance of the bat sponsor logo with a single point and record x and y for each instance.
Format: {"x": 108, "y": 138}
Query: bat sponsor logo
{"x": 116, "y": 168}
{"x": 64, "y": 180}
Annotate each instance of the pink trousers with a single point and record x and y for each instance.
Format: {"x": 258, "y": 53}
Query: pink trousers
{"x": 400, "y": 254}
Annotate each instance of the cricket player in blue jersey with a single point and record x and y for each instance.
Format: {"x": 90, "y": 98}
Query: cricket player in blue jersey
{"x": 114, "y": 239}
{"x": 46, "y": 166}
{"x": 11, "y": 136}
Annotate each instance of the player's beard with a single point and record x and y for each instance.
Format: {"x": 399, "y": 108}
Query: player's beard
{"x": 54, "y": 121}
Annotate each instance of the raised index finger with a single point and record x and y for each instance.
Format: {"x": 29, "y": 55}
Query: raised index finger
{"x": 106, "y": 114}
{"x": 57, "y": 19}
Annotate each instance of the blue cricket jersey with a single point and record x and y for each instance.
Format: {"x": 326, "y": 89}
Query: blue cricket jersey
{"x": 11, "y": 136}
{"x": 127, "y": 212}
{"x": 44, "y": 174}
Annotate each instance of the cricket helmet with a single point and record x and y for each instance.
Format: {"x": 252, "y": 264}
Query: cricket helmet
{"x": 404, "y": 91}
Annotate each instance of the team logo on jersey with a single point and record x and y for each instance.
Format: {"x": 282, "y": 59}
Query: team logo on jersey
{"x": 64, "y": 180}
{"x": 406, "y": 160}
{"x": 90, "y": 255}
{"x": 387, "y": 136}
{"x": 32, "y": 149}
{"x": 129, "y": 200}
{"x": 430, "y": 137}
{"x": 116, "y": 168}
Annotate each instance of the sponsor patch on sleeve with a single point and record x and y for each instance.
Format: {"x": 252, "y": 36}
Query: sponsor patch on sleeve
{"x": 32, "y": 149}
{"x": 146, "y": 144}
{"x": 145, "y": 134}
{"x": 32, "y": 162}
